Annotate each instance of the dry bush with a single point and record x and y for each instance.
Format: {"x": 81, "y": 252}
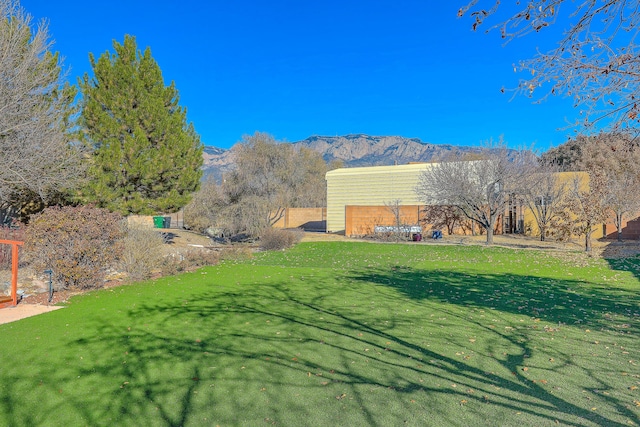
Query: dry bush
{"x": 239, "y": 252}
{"x": 142, "y": 253}
{"x": 201, "y": 258}
{"x": 78, "y": 243}
{"x": 206, "y": 207}
{"x": 189, "y": 260}
{"x": 274, "y": 239}
{"x": 561, "y": 227}
{"x": 391, "y": 236}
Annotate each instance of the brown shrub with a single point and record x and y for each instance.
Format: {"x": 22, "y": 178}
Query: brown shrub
{"x": 78, "y": 243}
{"x": 274, "y": 239}
{"x": 189, "y": 260}
{"x": 238, "y": 252}
{"x": 142, "y": 252}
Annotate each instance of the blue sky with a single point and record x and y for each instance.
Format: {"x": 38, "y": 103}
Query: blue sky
{"x": 296, "y": 69}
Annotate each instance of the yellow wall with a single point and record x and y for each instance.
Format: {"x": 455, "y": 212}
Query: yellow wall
{"x": 369, "y": 186}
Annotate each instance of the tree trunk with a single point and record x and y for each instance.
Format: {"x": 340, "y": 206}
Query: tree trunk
{"x": 619, "y": 227}
{"x": 489, "y": 236}
{"x": 587, "y": 241}
{"x": 542, "y": 233}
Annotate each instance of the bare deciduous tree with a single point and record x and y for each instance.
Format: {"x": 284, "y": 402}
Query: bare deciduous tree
{"x": 262, "y": 181}
{"x": 448, "y": 217}
{"x": 616, "y": 157}
{"x": 35, "y": 111}
{"x": 596, "y": 61}
{"x": 544, "y": 195}
{"x": 308, "y": 185}
{"x": 479, "y": 188}
{"x": 400, "y": 226}
{"x": 268, "y": 178}
{"x": 205, "y": 207}
{"x": 586, "y": 202}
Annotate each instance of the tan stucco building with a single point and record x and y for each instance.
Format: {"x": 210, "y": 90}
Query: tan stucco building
{"x": 358, "y": 199}
{"x": 374, "y": 187}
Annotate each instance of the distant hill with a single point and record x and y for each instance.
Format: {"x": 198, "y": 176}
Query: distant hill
{"x": 354, "y": 151}
{"x": 217, "y": 161}
{"x": 365, "y": 150}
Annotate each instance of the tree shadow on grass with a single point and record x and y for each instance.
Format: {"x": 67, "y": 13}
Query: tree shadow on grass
{"x": 271, "y": 353}
{"x": 553, "y": 300}
{"x": 557, "y": 302}
{"x": 623, "y": 261}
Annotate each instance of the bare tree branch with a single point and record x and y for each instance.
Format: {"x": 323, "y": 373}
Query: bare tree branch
{"x": 35, "y": 110}
{"x": 269, "y": 177}
{"x": 545, "y": 195}
{"x": 615, "y": 158}
{"x": 596, "y": 61}
{"x": 479, "y": 188}
{"x": 586, "y": 202}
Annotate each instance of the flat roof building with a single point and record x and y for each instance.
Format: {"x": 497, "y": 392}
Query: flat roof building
{"x": 370, "y": 186}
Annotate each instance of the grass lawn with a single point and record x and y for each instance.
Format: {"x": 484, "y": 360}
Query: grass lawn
{"x": 341, "y": 333}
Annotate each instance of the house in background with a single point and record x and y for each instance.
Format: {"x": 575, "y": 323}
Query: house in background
{"x": 358, "y": 199}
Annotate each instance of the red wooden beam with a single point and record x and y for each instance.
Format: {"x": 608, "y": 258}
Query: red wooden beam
{"x": 14, "y": 268}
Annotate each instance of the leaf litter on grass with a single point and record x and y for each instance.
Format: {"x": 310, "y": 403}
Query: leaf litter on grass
{"x": 415, "y": 308}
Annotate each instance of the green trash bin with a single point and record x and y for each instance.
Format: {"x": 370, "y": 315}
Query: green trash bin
{"x": 158, "y": 222}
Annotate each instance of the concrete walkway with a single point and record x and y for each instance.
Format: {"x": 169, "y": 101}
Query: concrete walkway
{"x": 11, "y": 314}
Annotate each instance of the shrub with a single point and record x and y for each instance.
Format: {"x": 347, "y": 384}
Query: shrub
{"x": 561, "y": 227}
{"x": 78, "y": 243}
{"x": 9, "y": 233}
{"x": 239, "y": 252}
{"x": 391, "y": 236}
{"x": 142, "y": 252}
{"x": 204, "y": 209}
{"x": 189, "y": 260}
{"x": 274, "y": 239}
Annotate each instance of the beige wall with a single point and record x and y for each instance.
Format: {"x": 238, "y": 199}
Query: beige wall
{"x": 299, "y": 217}
{"x": 369, "y": 186}
{"x": 140, "y": 221}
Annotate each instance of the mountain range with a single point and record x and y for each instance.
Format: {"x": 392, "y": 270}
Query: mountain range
{"x": 353, "y": 150}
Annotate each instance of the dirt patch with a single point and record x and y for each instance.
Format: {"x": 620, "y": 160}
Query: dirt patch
{"x": 183, "y": 239}
{"x": 43, "y": 298}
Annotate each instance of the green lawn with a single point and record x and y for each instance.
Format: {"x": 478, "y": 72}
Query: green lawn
{"x": 352, "y": 334}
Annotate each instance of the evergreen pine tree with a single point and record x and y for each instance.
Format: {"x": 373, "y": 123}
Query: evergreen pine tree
{"x": 146, "y": 158}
